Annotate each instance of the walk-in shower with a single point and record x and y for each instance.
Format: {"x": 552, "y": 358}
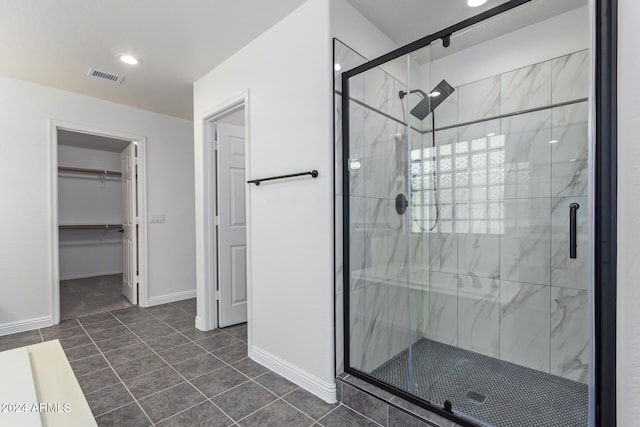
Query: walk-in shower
{"x": 465, "y": 203}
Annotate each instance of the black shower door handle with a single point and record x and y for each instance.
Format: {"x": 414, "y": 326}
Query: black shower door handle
{"x": 573, "y": 243}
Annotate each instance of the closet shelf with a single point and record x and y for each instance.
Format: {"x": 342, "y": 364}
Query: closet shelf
{"x": 90, "y": 171}
{"x": 89, "y": 227}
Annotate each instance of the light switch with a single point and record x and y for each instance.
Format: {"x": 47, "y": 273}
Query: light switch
{"x": 156, "y": 217}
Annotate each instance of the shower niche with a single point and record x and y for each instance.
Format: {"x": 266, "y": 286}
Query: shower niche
{"x": 465, "y": 279}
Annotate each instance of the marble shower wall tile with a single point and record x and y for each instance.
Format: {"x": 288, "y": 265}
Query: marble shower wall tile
{"x": 447, "y": 112}
{"x": 419, "y": 304}
{"x": 479, "y": 255}
{"x": 420, "y": 255}
{"x": 570, "y": 334}
{"x": 376, "y": 326}
{"x": 443, "y": 252}
{"x": 443, "y": 308}
{"x": 526, "y": 242}
{"x": 570, "y": 77}
{"x": 394, "y": 103}
{"x": 338, "y": 258}
{"x": 525, "y": 324}
{"x": 376, "y": 239}
{"x": 479, "y": 100}
{"x": 527, "y": 155}
{"x": 376, "y": 89}
{"x": 400, "y": 326}
{"x": 398, "y": 243}
{"x": 357, "y": 246}
{"x": 570, "y": 155}
{"x": 567, "y": 272}
{"x": 525, "y": 88}
{"x": 397, "y": 159}
{"x": 375, "y": 155}
{"x": 356, "y": 328}
{"x": 357, "y": 150}
{"x": 337, "y": 140}
{"x": 479, "y": 315}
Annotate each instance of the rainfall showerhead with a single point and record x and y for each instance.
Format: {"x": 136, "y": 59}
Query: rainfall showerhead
{"x": 430, "y": 101}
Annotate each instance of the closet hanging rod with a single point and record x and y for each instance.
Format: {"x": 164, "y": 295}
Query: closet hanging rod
{"x": 92, "y": 171}
{"x": 89, "y": 227}
{"x": 313, "y": 173}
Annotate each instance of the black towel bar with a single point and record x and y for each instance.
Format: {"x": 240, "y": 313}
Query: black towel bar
{"x": 313, "y": 173}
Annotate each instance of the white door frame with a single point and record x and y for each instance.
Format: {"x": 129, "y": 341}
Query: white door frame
{"x": 54, "y": 126}
{"x": 206, "y": 255}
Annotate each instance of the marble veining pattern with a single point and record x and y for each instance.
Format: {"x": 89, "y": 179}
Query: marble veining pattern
{"x": 526, "y": 88}
{"x": 479, "y": 100}
{"x": 525, "y": 324}
{"x": 479, "y": 315}
{"x": 570, "y": 334}
{"x": 570, "y": 154}
{"x": 527, "y": 155}
{"x": 376, "y": 326}
{"x": 479, "y": 255}
{"x": 357, "y": 246}
{"x": 443, "y": 309}
{"x": 570, "y": 77}
{"x": 524, "y": 246}
{"x": 375, "y": 155}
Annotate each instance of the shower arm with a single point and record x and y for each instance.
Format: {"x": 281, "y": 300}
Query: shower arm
{"x": 402, "y": 93}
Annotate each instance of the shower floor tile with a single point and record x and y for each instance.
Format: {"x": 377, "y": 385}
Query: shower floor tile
{"x": 494, "y": 391}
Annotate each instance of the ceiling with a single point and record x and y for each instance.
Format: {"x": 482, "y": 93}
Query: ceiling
{"x": 54, "y": 43}
{"x": 405, "y": 21}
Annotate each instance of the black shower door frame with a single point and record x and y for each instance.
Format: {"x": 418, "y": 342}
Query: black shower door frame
{"x": 605, "y": 211}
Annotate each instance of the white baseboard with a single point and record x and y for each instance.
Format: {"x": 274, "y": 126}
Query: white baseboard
{"x": 25, "y": 325}
{"x": 84, "y": 276}
{"x": 321, "y": 388}
{"x": 199, "y": 323}
{"x": 178, "y": 296}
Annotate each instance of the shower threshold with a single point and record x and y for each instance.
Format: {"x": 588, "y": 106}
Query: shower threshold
{"x": 497, "y": 392}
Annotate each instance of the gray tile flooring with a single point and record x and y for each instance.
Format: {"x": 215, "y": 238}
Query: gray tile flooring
{"x": 150, "y": 366}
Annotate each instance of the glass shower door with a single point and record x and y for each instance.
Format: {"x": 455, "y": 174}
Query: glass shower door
{"x": 384, "y": 315}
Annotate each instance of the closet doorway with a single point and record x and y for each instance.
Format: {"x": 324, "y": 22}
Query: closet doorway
{"x": 97, "y": 197}
{"x": 224, "y": 293}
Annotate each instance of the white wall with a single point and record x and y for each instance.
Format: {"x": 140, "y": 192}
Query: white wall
{"x": 25, "y": 217}
{"x": 89, "y": 199}
{"x": 548, "y": 39}
{"x": 628, "y": 324}
{"x": 353, "y": 29}
{"x": 287, "y": 71}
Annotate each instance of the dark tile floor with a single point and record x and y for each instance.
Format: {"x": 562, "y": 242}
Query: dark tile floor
{"x": 150, "y": 366}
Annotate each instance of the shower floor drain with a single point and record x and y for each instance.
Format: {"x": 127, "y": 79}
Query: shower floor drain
{"x": 475, "y": 396}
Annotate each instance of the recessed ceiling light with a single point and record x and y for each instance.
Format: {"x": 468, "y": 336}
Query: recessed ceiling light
{"x": 491, "y": 134}
{"x": 553, "y": 141}
{"x": 128, "y": 59}
{"x": 475, "y": 3}
{"x": 434, "y": 94}
{"x": 337, "y": 67}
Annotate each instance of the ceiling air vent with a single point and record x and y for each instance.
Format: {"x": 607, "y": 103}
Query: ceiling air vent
{"x": 113, "y": 78}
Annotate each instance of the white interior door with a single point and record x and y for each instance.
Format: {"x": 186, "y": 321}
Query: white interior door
{"x": 232, "y": 236}
{"x": 129, "y": 224}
